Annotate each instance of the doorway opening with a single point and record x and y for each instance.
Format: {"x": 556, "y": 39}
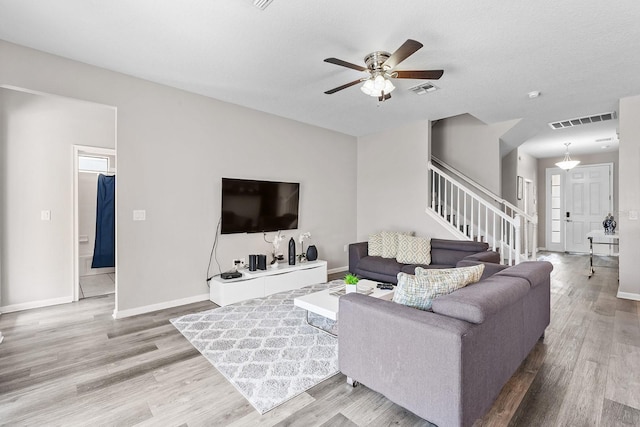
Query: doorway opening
{"x": 577, "y": 202}
{"x": 94, "y": 269}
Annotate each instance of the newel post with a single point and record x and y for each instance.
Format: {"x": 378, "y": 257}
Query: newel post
{"x": 518, "y": 231}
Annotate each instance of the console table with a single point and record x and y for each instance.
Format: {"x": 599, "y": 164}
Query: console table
{"x": 260, "y": 283}
{"x": 598, "y": 237}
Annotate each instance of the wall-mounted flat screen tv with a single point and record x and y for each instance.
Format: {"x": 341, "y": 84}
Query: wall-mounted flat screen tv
{"x": 250, "y": 206}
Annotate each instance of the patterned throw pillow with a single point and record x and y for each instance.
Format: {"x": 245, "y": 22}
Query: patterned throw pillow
{"x": 389, "y": 244}
{"x": 420, "y": 290}
{"x": 375, "y": 244}
{"x": 413, "y": 250}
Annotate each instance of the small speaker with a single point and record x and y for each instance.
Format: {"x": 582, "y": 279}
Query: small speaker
{"x": 262, "y": 262}
{"x": 253, "y": 262}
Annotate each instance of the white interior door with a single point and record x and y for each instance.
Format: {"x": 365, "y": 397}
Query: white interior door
{"x": 587, "y": 202}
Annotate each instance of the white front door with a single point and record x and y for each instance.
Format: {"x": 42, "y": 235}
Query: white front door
{"x": 587, "y": 202}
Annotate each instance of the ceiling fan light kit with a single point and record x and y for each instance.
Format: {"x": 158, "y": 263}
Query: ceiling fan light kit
{"x": 378, "y": 86}
{"x": 567, "y": 163}
{"x": 380, "y": 67}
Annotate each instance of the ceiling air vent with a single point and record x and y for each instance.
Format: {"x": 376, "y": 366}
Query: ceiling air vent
{"x": 423, "y": 88}
{"x": 262, "y": 4}
{"x": 583, "y": 120}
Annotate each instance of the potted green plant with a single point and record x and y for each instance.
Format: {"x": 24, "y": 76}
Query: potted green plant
{"x": 351, "y": 283}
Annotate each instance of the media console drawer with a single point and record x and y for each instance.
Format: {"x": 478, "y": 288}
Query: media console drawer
{"x": 258, "y": 284}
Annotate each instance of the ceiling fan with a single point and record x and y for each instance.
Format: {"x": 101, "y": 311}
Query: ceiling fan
{"x": 380, "y": 67}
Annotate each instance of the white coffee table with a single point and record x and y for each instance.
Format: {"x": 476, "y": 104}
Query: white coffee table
{"x": 327, "y": 305}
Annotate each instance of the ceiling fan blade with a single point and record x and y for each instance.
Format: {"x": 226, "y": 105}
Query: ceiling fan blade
{"x": 407, "y": 49}
{"x": 334, "y": 90}
{"x": 345, "y": 64}
{"x": 419, "y": 74}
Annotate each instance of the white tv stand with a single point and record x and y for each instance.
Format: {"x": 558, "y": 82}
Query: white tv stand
{"x": 260, "y": 283}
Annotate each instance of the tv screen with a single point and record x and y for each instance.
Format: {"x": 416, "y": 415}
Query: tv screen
{"x": 250, "y": 206}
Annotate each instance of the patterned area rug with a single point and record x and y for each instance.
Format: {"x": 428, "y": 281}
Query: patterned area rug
{"x": 264, "y": 346}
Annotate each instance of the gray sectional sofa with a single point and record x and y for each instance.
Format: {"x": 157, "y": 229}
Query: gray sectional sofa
{"x": 447, "y": 366}
{"x": 444, "y": 254}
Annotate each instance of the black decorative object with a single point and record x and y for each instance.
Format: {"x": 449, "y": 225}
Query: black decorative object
{"x": 262, "y": 262}
{"x": 292, "y": 252}
{"x": 609, "y": 224}
{"x": 312, "y": 253}
{"x": 253, "y": 262}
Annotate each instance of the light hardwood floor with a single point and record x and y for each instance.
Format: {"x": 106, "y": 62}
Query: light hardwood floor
{"x": 74, "y": 365}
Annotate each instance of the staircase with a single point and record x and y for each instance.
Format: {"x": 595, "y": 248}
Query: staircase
{"x": 475, "y": 213}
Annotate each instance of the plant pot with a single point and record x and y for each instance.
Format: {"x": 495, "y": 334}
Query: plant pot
{"x": 351, "y": 288}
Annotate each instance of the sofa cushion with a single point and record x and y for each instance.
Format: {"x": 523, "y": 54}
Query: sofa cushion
{"x": 421, "y": 289}
{"x": 449, "y": 252}
{"x": 375, "y": 244}
{"x": 413, "y": 250}
{"x": 387, "y": 266}
{"x": 530, "y": 271}
{"x": 489, "y": 268}
{"x": 478, "y": 301}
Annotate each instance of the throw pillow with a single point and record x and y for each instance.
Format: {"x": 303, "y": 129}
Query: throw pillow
{"x": 389, "y": 244}
{"x": 413, "y": 250}
{"x": 420, "y": 290}
{"x": 375, "y": 244}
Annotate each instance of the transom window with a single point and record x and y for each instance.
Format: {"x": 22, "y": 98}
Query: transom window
{"x": 93, "y": 164}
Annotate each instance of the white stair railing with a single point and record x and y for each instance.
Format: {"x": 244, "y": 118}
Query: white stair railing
{"x": 481, "y": 215}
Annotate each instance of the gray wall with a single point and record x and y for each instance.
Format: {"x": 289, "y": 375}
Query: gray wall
{"x": 472, "y": 147}
{"x": 173, "y": 147}
{"x": 509, "y": 176}
{"x": 38, "y": 133}
{"x": 629, "y": 119}
{"x": 392, "y": 182}
{"x": 592, "y": 159}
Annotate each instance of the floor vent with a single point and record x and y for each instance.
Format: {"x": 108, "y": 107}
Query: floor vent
{"x": 262, "y": 4}
{"x": 583, "y": 120}
{"x": 423, "y": 88}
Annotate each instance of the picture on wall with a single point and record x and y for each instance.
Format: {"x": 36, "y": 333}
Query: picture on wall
{"x": 520, "y": 187}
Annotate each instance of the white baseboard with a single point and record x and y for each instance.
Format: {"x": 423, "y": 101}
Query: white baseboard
{"x": 35, "y": 304}
{"x": 628, "y": 295}
{"x": 120, "y": 314}
{"x": 338, "y": 269}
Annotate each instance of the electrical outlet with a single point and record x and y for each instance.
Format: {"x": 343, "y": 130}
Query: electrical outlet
{"x": 238, "y": 263}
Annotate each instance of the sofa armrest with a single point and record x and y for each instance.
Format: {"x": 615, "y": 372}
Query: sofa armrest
{"x": 487, "y": 256}
{"x": 357, "y": 251}
{"x": 402, "y": 353}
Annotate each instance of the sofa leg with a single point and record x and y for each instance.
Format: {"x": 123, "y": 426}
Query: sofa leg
{"x": 352, "y": 382}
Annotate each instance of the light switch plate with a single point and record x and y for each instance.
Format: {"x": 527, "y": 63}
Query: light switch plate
{"x": 45, "y": 215}
{"x": 633, "y": 215}
{"x": 139, "y": 215}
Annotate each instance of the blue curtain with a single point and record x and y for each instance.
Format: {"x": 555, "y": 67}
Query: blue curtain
{"x": 104, "y": 252}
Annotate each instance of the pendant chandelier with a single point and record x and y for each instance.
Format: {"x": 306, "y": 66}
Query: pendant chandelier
{"x": 567, "y": 163}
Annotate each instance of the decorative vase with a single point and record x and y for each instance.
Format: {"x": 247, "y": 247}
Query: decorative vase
{"x": 292, "y": 252}
{"x": 312, "y": 253}
{"x": 349, "y": 288}
{"x": 609, "y": 224}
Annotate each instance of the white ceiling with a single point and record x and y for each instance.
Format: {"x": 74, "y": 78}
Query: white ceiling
{"x": 582, "y": 55}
